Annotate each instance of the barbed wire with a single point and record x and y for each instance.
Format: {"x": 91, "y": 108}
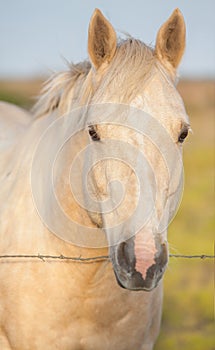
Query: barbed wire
{"x": 91, "y": 259}
{"x": 201, "y": 256}
{"x": 57, "y": 257}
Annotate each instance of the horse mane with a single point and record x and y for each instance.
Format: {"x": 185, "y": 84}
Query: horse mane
{"x": 59, "y": 89}
{"x": 126, "y": 74}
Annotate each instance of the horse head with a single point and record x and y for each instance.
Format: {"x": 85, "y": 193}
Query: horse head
{"x": 137, "y": 124}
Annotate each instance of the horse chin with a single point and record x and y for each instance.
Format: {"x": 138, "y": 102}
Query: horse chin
{"x": 126, "y": 271}
{"x": 136, "y": 282}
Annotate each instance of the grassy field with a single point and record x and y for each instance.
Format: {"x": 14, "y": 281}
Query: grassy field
{"x": 188, "y": 315}
{"x": 20, "y": 92}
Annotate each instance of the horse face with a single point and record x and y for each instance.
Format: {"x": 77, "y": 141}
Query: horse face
{"x": 136, "y": 178}
{"x": 137, "y": 167}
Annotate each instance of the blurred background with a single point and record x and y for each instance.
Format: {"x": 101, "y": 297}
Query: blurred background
{"x": 37, "y": 37}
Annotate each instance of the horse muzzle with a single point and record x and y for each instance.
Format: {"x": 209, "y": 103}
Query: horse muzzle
{"x": 135, "y": 270}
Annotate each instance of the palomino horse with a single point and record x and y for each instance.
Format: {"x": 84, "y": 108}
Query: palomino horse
{"x": 65, "y": 193}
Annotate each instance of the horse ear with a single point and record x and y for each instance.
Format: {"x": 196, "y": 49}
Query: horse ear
{"x": 102, "y": 40}
{"x": 170, "y": 43}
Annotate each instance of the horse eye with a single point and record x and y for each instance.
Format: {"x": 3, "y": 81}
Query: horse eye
{"x": 183, "y": 136}
{"x": 93, "y": 134}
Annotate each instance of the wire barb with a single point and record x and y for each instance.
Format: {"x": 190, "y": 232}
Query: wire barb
{"x": 92, "y": 259}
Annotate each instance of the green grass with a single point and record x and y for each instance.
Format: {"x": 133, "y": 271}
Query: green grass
{"x": 188, "y": 311}
{"x": 19, "y": 100}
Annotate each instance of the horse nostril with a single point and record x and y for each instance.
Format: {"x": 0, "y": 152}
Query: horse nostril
{"x": 124, "y": 252}
{"x": 126, "y": 258}
{"x": 122, "y": 261}
{"x": 162, "y": 258}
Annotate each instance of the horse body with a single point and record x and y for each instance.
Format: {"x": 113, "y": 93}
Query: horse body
{"x": 68, "y": 306}
{"x": 71, "y": 315}
{"x": 56, "y": 304}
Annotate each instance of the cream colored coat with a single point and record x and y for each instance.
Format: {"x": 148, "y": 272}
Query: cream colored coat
{"x": 64, "y": 305}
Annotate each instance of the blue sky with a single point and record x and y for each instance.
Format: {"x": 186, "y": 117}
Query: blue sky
{"x": 36, "y": 34}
